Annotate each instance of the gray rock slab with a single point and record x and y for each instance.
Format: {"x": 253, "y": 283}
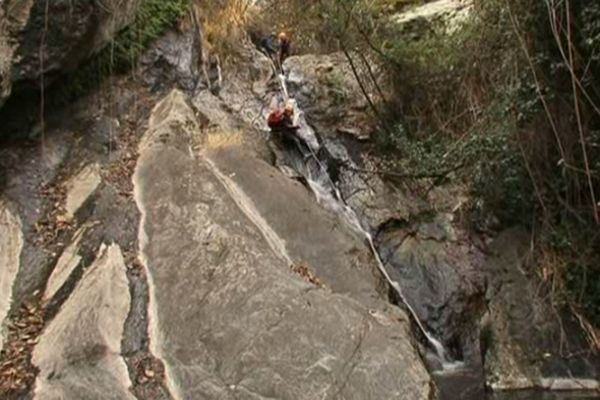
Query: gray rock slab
{"x": 11, "y": 243}
{"x": 228, "y": 317}
{"x": 326, "y": 88}
{"x": 81, "y": 187}
{"x": 312, "y": 234}
{"x": 79, "y": 353}
{"x": 66, "y": 264}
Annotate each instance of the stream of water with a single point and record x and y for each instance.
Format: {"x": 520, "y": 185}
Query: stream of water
{"x": 328, "y": 195}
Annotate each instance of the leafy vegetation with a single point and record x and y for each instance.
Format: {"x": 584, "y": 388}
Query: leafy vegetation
{"x": 520, "y": 79}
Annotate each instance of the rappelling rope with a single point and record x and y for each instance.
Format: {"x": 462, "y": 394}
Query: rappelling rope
{"x": 285, "y": 93}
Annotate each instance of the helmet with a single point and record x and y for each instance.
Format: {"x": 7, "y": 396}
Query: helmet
{"x": 282, "y": 36}
{"x": 289, "y": 107}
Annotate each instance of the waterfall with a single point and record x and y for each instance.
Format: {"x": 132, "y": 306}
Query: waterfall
{"x": 328, "y": 195}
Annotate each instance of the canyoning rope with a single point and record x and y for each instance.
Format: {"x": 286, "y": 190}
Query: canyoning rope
{"x": 321, "y": 166}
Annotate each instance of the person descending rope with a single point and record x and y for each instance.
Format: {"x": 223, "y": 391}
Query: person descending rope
{"x": 281, "y": 120}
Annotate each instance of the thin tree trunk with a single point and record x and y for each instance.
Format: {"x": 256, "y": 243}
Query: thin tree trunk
{"x": 363, "y": 89}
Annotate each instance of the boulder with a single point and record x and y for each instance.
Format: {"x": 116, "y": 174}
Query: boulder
{"x": 173, "y": 61}
{"x": 79, "y": 353}
{"x": 447, "y": 15}
{"x": 40, "y": 38}
{"x": 326, "y": 89}
{"x": 229, "y": 317}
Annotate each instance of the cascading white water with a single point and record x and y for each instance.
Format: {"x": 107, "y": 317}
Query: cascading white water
{"x": 329, "y": 196}
{"x": 334, "y": 203}
{"x": 283, "y": 86}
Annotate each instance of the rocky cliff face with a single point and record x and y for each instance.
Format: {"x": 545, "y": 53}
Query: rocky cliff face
{"x": 153, "y": 251}
{"x": 251, "y": 326}
{"x": 444, "y": 15}
{"x": 158, "y": 244}
{"x": 40, "y": 38}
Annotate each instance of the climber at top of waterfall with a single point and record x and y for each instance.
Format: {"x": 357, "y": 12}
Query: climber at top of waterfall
{"x": 284, "y": 47}
{"x": 282, "y": 119}
{"x": 276, "y": 47}
{"x": 269, "y": 44}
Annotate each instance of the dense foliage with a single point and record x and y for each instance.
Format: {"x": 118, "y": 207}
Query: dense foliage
{"x": 521, "y": 79}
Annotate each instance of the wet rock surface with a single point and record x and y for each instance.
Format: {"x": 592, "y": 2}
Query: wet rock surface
{"x": 335, "y": 106}
{"x": 440, "y": 275}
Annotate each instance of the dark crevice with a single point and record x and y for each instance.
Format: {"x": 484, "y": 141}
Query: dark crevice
{"x": 146, "y": 371}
